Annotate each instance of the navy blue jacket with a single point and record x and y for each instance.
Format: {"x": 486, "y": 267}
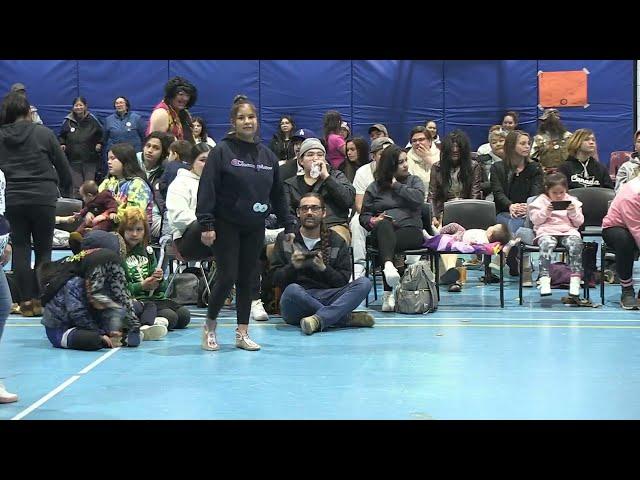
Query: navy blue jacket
{"x": 129, "y": 128}
{"x": 240, "y": 184}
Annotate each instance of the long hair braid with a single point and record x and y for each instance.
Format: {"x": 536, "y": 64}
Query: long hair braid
{"x": 325, "y": 243}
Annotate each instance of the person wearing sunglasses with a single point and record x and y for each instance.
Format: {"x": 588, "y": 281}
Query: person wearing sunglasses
{"x": 314, "y": 272}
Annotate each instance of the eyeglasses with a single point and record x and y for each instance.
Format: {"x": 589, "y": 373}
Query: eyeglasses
{"x": 312, "y": 208}
{"x": 419, "y": 139}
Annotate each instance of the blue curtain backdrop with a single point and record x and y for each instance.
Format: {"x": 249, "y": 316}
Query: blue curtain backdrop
{"x": 466, "y": 94}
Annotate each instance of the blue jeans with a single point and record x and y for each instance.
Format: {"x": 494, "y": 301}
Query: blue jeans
{"x": 5, "y": 301}
{"x": 513, "y": 224}
{"x": 332, "y": 305}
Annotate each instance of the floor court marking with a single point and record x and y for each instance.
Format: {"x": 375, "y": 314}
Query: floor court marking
{"x": 64, "y": 385}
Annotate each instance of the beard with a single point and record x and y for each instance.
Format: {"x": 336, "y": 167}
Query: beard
{"x": 552, "y": 126}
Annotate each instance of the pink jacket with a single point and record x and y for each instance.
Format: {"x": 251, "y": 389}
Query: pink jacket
{"x": 625, "y": 210}
{"x": 556, "y": 222}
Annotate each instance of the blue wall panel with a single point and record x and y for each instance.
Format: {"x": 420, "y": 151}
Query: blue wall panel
{"x": 469, "y": 94}
{"x": 304, "y": 88}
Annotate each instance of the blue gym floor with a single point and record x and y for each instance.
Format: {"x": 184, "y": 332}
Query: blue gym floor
{"x": 469, "y": 360}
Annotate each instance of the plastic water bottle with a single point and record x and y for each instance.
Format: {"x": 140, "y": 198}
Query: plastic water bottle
{"x": 315, "y": 171}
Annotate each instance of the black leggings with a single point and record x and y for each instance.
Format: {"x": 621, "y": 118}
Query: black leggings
{"x": 237, "y": 252}
{"x": 389, "y": 241}
{"x": 177, "y": 315}
{"x": 620, "y": 240}
{"x": 27, "y": 221}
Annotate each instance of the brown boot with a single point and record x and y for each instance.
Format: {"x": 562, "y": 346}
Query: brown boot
{"x": 26, "y": 309}
{"x": 37, "y": 307}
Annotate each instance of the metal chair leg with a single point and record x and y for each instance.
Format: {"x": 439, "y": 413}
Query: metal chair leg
{"x": 603, "y": 255}
{"x": 500, "y": 258}
{"x": 436, "y": 257}
{"x": 521, "y": 269}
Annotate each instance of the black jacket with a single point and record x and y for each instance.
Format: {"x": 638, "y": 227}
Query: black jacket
{"x": 402, "y": 202}
{"x": 33, "y": 164}
{"x": 282, "y": 148}
{"x": 238, "y": 184}
{"x": 336, "y": 275}
{"x": 336, "y": 190}
{"x": 510, "y": 188}
{"x": 80, "y": 138}
{"x": 596, "y": 175}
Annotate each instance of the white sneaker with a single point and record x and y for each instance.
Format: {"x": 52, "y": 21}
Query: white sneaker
{"x": 258, "y": 312}
{"x": 161, "y": 321}
{"x": 6, "y": 397}
{"x": 152, "y": 332}
{"x": 545, "y": 286}
{"x": 391, "y": 274}
{"x": 388, "y": 302}
{"x": 243, "y": 341}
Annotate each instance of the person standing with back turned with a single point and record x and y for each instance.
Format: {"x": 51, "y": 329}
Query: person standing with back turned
{"x": 239, "y": 183}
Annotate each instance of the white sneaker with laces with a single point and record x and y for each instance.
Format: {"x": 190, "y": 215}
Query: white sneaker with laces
{"x": 388, "y": 302}
{"x": 244, "y": 342}
{"x": 258, "y": 313}
{"x": 574, "y": 286}
{"x": 152, "y": 332}
{"x": 7, "y": 397}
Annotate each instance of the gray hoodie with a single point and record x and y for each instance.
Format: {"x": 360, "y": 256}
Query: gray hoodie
{"x": 629, "y": 169}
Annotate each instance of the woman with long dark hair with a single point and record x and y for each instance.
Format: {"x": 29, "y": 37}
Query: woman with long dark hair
{"x": 200, "y": 132}
{"x": 455, "y": 176}
{"x": 513, "y": 181}
{"x": 281, "y": 143}
{"x": 357, "y": 156}
{"x": 34, "y": 166}
{"x": 391, "y": 211}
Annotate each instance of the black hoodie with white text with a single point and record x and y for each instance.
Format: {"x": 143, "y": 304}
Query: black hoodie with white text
{"x": 591, "y": 173}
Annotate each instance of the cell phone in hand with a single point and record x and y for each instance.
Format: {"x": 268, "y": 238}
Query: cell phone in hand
{"x": 561, "y": 204}
{"x": 310, "y": 254}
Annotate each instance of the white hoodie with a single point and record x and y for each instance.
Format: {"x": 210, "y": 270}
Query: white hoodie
{"x": 182, "y": 199}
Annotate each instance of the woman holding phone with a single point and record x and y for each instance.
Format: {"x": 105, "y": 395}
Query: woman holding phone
{"x": 391, "y": 211}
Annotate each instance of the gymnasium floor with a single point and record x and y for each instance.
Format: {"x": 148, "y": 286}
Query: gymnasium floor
{"x": 469, "y": 360}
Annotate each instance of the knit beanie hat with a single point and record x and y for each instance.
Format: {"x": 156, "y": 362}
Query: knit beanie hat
{"x": 309, "y": 144}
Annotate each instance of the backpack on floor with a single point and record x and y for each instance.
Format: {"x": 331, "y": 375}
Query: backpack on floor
{"x": 416, "y": 292}
{"x": 184, "y": 289}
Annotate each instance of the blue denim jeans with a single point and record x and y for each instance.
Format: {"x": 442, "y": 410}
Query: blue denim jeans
{"x": 513, "y": 224}
{"x": 5, "y": 301}
{"x": 332, "y": 305}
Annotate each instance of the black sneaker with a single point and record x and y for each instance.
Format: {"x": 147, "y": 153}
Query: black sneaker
{"x": 628, "y": 299}
{"x": 450, "y": 276}
{"x": 512, "y": 262}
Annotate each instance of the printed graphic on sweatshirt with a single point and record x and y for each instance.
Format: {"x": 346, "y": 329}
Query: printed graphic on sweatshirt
{"x": 239, "y": 163}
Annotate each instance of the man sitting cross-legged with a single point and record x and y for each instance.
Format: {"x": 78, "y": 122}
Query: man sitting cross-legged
{"x": 315, "y": 271}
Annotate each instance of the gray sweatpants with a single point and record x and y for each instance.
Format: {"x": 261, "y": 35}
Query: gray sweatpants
{"x": 572, "y": 243}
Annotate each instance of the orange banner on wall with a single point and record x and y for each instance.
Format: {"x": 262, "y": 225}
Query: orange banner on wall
{"x": 563, "y": 89}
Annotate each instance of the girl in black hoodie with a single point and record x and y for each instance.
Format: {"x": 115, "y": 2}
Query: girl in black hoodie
{"x": 239, "y": 184}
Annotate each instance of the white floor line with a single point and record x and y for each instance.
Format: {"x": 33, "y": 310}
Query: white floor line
{"x": 89, "y": 367}
{"x": 64, "y": 385}
{"x": 48, "y": 396}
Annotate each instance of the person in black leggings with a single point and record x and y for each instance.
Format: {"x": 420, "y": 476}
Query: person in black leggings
{"x": 621, "y": 232}
{"x": 34, "y": 165}
{"x": 392, "y": 212}
{"x": 239, "y": 183}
